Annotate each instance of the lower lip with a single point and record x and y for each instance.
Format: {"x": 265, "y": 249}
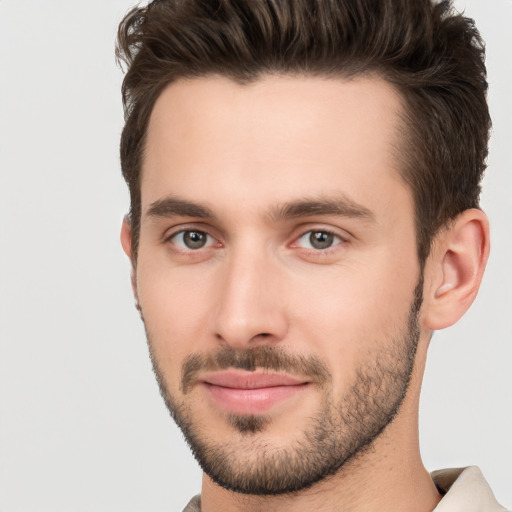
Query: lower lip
{"x": 252, "y": 401}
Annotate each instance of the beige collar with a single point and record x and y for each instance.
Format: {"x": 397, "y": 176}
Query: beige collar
{"x": 466, "y": 491}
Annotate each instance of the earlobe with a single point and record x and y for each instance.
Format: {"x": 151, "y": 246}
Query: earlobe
{"x": 456, "y": 268}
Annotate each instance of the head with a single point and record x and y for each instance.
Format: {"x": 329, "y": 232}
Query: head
{"x": 303, "y": 179}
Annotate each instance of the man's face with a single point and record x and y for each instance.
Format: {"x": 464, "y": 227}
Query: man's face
{"x": 277, "y": 272}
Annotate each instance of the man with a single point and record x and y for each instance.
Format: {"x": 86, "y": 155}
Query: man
{"x": 304, "y": 180}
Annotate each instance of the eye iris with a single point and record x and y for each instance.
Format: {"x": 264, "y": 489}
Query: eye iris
{"x": 321, "y": 240}
{"x": 194, "y": 239}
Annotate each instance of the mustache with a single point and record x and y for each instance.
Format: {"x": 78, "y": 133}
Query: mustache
{"x": 263, "y": 357}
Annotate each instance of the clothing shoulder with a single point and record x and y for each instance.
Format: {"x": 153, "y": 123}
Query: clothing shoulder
{"x": 194, "y": 505}
{"x": 466, "y": 490}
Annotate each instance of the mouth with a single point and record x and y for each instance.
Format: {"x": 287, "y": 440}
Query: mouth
{"x": 251, "y": 393}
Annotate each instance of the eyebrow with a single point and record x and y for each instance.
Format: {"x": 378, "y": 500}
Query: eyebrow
{"x": 338, "y": 206}
{"x": 174, "y": 206}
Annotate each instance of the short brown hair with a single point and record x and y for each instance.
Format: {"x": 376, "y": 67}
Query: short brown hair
{"x": 432, "y": 55}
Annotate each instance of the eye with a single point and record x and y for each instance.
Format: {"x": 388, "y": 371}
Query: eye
{"x": 192, "y": 239}
{"x": 318, "y": 240}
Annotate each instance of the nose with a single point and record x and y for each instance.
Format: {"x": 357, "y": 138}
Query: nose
{"x": 251, "y": 309}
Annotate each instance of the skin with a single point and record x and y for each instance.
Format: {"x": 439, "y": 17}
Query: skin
{"x": 243, "y": 153}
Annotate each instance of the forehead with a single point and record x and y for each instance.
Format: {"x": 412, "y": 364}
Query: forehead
{"x": 278, "y": 137}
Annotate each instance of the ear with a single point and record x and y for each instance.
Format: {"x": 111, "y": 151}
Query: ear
{"x": 126, "y": 242}
{"x": 126, "y": 237}
{"x": 455, "y": 269}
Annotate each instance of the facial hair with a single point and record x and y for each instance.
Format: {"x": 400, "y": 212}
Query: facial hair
{"x": 337, "y": 433}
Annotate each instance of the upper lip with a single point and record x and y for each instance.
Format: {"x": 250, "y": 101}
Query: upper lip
{"x": 251, "y": 380}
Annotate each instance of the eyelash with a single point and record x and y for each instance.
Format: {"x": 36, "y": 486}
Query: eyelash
{"x": 337, "y": 241}
{"x": 311, "y": 251}
{"x": 169, "y": 239}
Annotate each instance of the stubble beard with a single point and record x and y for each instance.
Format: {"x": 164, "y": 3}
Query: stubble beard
{"x": 338, "y": 433}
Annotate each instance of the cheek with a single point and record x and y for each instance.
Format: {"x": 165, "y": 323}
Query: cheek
{"x": 349, "y": 315}
{"x": 175, "y": 308}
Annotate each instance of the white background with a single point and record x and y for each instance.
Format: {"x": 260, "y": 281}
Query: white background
{"x": 82, "y": 426}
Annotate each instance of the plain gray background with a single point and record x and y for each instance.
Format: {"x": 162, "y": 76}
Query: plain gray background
{"x": 82, "y": 426}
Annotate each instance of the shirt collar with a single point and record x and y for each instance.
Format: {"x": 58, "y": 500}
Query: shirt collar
{"x": 465, "y": 491}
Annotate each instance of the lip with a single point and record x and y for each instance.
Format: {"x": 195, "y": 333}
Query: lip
{"x": 251, "y": 392}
